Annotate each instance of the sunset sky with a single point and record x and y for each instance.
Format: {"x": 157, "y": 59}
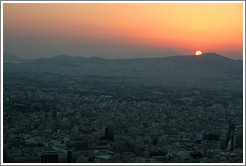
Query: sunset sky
{"x": 122, "y": 30}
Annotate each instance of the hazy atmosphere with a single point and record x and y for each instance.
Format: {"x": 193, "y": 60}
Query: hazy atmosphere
{"x": 123, "y": 83}
{"x": 123, "y": 30}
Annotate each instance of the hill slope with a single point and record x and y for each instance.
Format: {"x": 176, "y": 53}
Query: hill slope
{"x": 207, "y": 71}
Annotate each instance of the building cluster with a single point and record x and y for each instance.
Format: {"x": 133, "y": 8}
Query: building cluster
{"x": 121, "y": 125}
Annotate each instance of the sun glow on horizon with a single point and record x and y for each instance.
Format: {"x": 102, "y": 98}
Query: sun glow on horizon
{"x": 198, "y": 53}
{"x": 93, "y": 28}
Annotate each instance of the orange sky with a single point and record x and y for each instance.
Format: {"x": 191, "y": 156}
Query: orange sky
{"x": 181, "y": 28}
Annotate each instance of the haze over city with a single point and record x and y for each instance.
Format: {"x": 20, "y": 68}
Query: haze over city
{"x": 123, "y": 83}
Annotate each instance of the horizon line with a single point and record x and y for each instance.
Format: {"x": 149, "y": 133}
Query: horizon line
{"x": 134, "y": 58}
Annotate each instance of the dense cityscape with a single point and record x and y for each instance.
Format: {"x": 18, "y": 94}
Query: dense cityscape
{"x": 52, "y": 118}
{"x": 122, "y": 82}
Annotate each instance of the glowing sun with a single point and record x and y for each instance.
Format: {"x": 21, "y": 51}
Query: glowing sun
{"x": 198, "y": 53}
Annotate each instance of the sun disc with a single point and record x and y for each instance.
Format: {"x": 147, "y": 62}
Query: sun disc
{"x": 198, "y": 53}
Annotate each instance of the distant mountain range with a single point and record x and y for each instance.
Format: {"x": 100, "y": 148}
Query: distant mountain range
{"x": 207, "y": 70}
{"x": 10, "y": 58}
